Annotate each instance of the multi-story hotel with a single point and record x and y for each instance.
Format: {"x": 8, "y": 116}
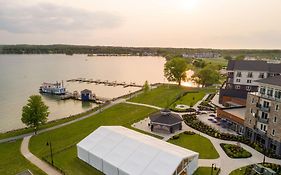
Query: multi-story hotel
{"x": 241, "y": 77}
{"x": 263, "y": 114}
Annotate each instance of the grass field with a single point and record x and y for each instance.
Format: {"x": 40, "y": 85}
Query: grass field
{"x": 240, "y": 171}
{"x": 12, "y": 162}
{"x": 162, "y": 96}
{"x": 195, "y": 142}
{"x": 62, "y": 138}
{"x": 192, "y": 97}
{"x": 216, "y": 61}
{"x": 205, "y": 171}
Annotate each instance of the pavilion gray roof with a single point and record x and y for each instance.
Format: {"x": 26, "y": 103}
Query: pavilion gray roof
{"x": 165, "y": 117}
{"x": 86, "y": 91}
{"x": 276, "y": 80}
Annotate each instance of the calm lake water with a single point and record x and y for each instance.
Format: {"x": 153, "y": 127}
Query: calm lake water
{"x": 21, "y": 76}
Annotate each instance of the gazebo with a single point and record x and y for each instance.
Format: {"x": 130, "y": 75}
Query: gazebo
{"x": 165, "y": 120}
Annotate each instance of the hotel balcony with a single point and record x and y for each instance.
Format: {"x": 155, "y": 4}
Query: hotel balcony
{"x": 263, "y": 108}
{"x": 263, "y": 120}
{"x": 265, "y": 96}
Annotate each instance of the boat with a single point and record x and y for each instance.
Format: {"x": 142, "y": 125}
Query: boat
{"x": 53, "y": 88}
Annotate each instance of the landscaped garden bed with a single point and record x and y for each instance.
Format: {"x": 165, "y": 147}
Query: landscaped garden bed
{"x": 248, "y": 169}
{"x": 193, "y": 122}
{"x": 235, "y": 151}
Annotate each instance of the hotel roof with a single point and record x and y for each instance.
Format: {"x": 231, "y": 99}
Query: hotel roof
{"x": 253, "y": 65}
{"x": 276, "y": 80}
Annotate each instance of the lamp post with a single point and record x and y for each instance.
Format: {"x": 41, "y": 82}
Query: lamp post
{"x": 51, "y": 150}
{"x": 213, "y": 164}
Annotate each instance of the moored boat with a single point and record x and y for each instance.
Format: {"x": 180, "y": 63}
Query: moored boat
{"x": 53, "y": 88}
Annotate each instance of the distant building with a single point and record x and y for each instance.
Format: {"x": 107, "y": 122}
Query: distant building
{"x": 263, "y": 114}
{"x": 201, "y": 55}
{"x": 241, "y": 77}
{"x": 116, "y": 150}
{"x": 165, "y": 120}
{"x": 87, "y": 95}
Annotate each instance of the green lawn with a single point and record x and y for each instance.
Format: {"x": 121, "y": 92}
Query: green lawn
{"x": 12, "y": 162}
{"x": 192, "y": 97}
{"x": 205, "y": 171}
{"x": 216, "y": 61}
{"x": 198, "y": 144}
{"x": 162, "y": 96}
{"x": 239, "y": 171}
{"x": 121, "y": 114}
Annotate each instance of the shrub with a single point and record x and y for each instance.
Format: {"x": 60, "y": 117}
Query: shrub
{"x": 189, "y": 132}
{"x": 176, "y": 137}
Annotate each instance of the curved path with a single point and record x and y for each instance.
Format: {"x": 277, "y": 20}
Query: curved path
{"x": 224, "y": 162}
{"x": 36, "y": 161}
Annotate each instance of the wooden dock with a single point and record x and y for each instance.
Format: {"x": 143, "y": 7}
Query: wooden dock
{"x": 104, "y": 82}
{"x": 98, "y": 100}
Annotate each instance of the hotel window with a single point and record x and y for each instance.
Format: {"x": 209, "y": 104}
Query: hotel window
{"x": 276, "y": 107}
{"x": 273, "y": 132}
{"x": 251, "y": 111}
{"x": 250, "y": 121}
{"x": 238, "y": 74}
{"x": 262, "y": 90}
{"x": 277, "y": 94}
{"x": 250, "y": 74}
{"x": 238, "y": 80}
{"x": 261, "y": 75}
{"x": 275, "y": 119}
{"x": 264, "y": 115}
{"x": 237, "y": 87}
{"x": 253, "y": 100}
{"x": 249, "y": 81}
{"x": 248, "y": 88}
{"x": 270, "y": 92}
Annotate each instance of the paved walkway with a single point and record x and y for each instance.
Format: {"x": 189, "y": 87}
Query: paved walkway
{"x": 142, "y": 104}
{"x": 36, "y": 161}
{"x": 224, "y": 162}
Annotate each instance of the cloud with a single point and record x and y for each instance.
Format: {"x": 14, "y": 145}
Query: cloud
{"x": 48, "y": 17}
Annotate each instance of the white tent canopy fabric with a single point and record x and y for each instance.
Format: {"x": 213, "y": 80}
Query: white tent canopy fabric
{"x": 116, "y": 150}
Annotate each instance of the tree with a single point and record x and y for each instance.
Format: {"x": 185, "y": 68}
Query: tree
{"x": 206, "y": 76}
{"x": 146, "y": 87}
{"x": 240, "y": 57}
{"x": 228, "y": 57}
{"x": 35, "y": 112}
{"x": 175, "y": 70}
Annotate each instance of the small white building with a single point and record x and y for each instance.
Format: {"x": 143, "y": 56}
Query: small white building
{"x": 116, "y": 150}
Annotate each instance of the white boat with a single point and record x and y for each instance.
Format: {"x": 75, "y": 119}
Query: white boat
{"x": 53, "y": 88}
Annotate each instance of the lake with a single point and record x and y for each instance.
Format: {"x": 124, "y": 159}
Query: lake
{"x": 21, "y": 76}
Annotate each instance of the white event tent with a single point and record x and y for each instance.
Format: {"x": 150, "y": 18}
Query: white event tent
{"x": 116, "y": 150}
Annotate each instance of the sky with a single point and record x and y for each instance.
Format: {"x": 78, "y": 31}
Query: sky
{"x": 150, "y": 23}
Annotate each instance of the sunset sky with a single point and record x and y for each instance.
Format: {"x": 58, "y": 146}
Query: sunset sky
{"x": 164, "y": 23}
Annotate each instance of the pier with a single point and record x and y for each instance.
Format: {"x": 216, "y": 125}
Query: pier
{"x": 104, "y": 82}
{"x": 73, "y": 96}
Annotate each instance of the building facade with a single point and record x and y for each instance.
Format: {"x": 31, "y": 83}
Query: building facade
{"x": 263, "y": 114}
{"x": 241, "y": 79}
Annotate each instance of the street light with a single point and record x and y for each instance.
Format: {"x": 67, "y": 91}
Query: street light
{"x": 51, "y": 150}
{"x": 213, "y": 164}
